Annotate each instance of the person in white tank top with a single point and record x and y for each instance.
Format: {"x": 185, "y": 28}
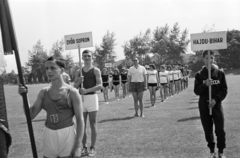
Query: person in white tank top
{"x": 153, "y": 83}
{"x": 171, "y": 81}
{"x": 164, "y": 80}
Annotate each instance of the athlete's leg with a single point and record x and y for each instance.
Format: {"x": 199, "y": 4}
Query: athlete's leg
{"x": 84, "y": 140}
{"x": 106, "y": 93}
{"x": 150, "y": 92}
{"x": 115, "y": 91}
{"x": 140, "y": 99}
{"x": 135, "y": 98}
{"x": 154, "y": 94}
{"x": 118, "y": 96}
{"x": 93, "y": 125}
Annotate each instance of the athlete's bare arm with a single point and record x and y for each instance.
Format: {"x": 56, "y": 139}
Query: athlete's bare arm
{"x": 78, "y": 111}
{"x": 77, "y": 80}
{"x": 37, "y": 106}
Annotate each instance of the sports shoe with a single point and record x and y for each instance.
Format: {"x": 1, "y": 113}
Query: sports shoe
{"x": 136, "y": 115}
{"x": 213, "y": 155}
{"x": 84, "y": 151}
{"x": 142, "y": 115}
{"x": 221, "y": 155}
{"x": 92, "y": 151}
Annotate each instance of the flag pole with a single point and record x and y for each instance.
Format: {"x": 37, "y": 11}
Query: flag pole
{"x": 10, "y": 44}
{"x": 209, "y": 87}
{"x": 80, "y": 65}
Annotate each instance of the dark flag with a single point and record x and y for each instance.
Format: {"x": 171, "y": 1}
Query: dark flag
{"x": 10, "y": 46}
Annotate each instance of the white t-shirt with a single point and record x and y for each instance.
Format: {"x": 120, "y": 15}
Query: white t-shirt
{"x": 137, "y": 74}
{"x": 163, "y": 77}
{"x": 170, "y": 74}
{"x": 152, "y": 76}
{"x": 175, "y": 75}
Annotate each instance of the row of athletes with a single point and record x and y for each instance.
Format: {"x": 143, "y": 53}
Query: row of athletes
{"x": 169, "y": 79}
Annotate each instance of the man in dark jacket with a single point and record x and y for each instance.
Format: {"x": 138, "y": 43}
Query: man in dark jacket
{"x": 219, "y": 92}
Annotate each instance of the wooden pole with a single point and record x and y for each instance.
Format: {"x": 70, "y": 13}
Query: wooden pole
{"x": 80, "y": 65}
{"x": 209, "y": 87}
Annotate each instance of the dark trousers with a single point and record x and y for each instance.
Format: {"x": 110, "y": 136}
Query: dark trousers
{"x": 208, "y": 121}
{"x": 3, "y": 144}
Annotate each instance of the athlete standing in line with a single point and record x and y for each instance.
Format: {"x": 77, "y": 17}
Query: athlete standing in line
{"x": 137, "y": 84}
{"x": 153, "y": 83}
{"x": 105, "y": 80}
{"x": 124, "y": 82}
{"x": 92, "y": 82}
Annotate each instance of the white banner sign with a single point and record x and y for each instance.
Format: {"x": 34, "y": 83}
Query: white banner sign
{"x": 84, "y": 39}
{"x": 209, "y": 41}
{"x": 108, "y": 64}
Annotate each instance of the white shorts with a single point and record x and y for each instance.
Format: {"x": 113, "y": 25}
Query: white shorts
{"x": 90, "y": 103}
{"x": 58, "y": 143}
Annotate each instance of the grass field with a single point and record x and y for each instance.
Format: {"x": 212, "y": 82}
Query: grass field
{"x": 170, "y": 130}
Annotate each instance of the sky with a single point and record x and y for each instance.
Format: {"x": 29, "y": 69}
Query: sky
{"x": 50, "y": 20}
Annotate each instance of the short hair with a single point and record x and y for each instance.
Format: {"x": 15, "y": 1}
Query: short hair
{"x": 206, "y": 52}
{"x": 86, "y": 51}
{"x": 152, "y": 66}
{"x": 59, "y": 61}
{"x": 104, "y": 69}
{"x": 163, "y": 66}
{"x": 115, "y": 70}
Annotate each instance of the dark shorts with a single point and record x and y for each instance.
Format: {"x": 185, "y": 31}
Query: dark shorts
{"x": 123, "y": 82}
{"x": 115, "y": 83}
{"x": 163, "y": 84}
{"x": 105, "y": 84}
{"x": 136, "y": 87}
{"x": 152, "y": 84}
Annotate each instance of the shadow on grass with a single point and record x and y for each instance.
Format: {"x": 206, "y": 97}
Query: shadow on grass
{"x": 40, "y": 120}
{"x": 192, "y": 102}
{"x": 109, "y": 100}
{"x": 192, "y": 108}
{"x": 116, "y": 119}
{"x": 189, "y": 119}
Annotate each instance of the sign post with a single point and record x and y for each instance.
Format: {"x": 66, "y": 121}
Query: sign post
{"x": 78, "y": 41}
{"x": 209, "y": 41}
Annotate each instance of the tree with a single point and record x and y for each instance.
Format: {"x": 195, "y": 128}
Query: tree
{"x": 139, "y": 46}
{"x": 36, "y": 61}
{"x": 160, "y": 44}
{"x": 177, "y": 44}
{"x": 105, "y": 52}
{"x": 230, "y": 57}
{"x": 57, "y": 49}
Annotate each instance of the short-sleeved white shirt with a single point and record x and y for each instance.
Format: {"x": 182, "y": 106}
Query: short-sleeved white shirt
{"x": 170, "y": 74}
{"x": 152, "y": 76}
{"x": 137, "y": 74}
{"x": 163, "y": 77}
{"x": 175, "y": 75}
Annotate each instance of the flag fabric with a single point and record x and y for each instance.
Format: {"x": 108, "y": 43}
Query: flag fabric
{"x": 10, "y": 45}
{"x": 5, "y": 133}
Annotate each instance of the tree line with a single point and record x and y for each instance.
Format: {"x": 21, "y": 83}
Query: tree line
{"x": 163, "y": 45}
